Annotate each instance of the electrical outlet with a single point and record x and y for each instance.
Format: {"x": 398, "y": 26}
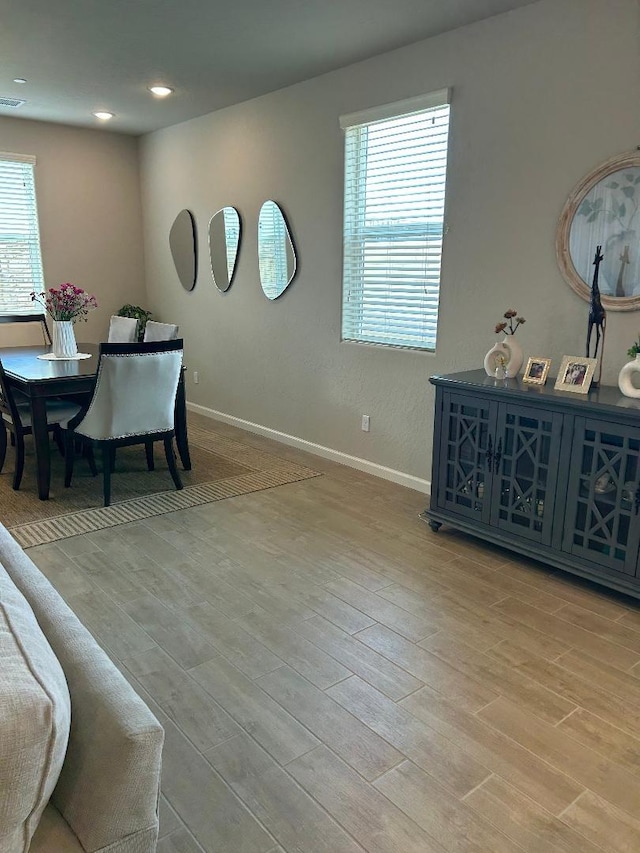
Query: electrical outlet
{"x": 196, "y": 377}
{"x": 366, "y": 423}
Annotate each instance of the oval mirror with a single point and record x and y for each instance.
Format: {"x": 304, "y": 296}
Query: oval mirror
{"x": 603, "y": 211}
{"x": 224, "y": 239}
{"x": 182, "y": 242}
{"x": 276, "y": 254}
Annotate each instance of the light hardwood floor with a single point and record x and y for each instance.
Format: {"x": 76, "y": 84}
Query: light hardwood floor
{"x": 332, "y": 676}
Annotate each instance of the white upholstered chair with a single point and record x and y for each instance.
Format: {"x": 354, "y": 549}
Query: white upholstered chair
{"x": 123, "y": 330}
{"x": 133, "y": 403}
{"x": 157, "y": 332}
{"x": 15, "y": 416}
{"x": 160, "y": 331}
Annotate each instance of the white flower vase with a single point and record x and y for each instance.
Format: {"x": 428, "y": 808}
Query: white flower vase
{"x": 624, "y": 378}
{"x": 511, "y": 352}
{"x": 64, "y": 339}
{"x": 516, "y": 356}
{"x": 497, "y": 355}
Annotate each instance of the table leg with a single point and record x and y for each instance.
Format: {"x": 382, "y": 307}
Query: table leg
{"x": 41, "y": 444}
{"x": 182, "y": 440}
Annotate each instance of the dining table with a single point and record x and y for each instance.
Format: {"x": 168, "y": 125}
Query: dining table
{"x": 39, "y": 379}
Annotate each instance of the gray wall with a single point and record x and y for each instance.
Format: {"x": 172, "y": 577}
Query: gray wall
{"x": 88, "y": 191}
{"x": 540, "y": 97}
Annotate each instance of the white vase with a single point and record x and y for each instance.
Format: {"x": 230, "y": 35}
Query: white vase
{"x": 624, "y": 378}
{"x": 498, "y": 354}
{"x": 64, "y": 339}
{"x": 516, "y": 356}
{"x": 511, "y": 352}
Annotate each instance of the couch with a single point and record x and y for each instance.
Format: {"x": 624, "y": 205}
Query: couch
{"x": 80, "y": 752}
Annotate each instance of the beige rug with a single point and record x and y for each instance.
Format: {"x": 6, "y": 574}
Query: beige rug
{"x": 221, "y": 468}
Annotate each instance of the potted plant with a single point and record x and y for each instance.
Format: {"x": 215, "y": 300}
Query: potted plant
{"x": 634, "y": 349}
{"x": 630, "y": 370}
{"x": 138, "y": 314}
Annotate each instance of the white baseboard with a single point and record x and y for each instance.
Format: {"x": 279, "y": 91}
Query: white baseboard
{"x": 382, "y": 471}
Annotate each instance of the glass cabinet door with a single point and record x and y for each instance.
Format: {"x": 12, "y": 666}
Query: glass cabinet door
{"x": 466, "y": 448}
{"x": 602, "y": 522}
{"x": 525, "y": 465}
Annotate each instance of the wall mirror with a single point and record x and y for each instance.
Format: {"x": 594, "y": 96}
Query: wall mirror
{"x": 224, "y": 240}
{"x": 603, "y": 211}
{"x": 184, "y": 250}
{"x": 276, "y": 253}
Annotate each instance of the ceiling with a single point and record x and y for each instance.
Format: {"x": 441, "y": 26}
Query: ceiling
{"x": 84, "y": 55}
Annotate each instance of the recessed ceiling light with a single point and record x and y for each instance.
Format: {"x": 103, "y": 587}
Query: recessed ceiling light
{"x": 19, "y": 80}
{"x": 103, "y": 115}
{"x": 160, "y": 91}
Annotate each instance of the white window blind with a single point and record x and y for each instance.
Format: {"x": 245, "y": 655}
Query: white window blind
{"x": 20, "y": 259}
{"x": 395, "y": 173}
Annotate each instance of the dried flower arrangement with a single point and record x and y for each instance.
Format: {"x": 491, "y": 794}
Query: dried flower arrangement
{"x": 507, "y": 327}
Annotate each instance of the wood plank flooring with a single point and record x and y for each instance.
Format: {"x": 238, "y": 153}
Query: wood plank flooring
{"x": 334, "y": 677}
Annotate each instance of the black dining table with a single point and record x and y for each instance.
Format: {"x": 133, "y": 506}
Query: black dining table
{"x": 39, "y": 379}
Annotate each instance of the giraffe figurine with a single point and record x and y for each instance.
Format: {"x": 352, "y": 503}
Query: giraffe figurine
{"x": 597, "y": 315}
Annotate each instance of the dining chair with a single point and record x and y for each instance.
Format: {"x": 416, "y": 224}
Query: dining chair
{"x": 160, "y": 331}
{"x": 133, "y": 403}
{"x": 40, "y": 319}
{"x": 122, "y": 330}
{"x": 16, "y": 418}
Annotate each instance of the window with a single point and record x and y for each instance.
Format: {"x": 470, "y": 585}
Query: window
{"x": 20, "y": 259}
{"x": 395, "y": 172}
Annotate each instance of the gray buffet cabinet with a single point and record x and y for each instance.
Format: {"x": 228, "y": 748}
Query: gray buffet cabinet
{"x": 549, "y": 474}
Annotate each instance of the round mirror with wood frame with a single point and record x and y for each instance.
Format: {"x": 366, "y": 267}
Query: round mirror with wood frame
{"x": 603, "y": 211}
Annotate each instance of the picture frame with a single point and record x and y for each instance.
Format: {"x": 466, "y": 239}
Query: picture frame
{"x": 576, "y": 374}
{"x": 537, "y": 370}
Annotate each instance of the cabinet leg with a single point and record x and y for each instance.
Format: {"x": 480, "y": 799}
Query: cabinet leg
{"x": 435, "y": 525}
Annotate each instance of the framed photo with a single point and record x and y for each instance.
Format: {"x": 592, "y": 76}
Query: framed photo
{"x": 537, "y": 370}
{"x": 576, "y": 374}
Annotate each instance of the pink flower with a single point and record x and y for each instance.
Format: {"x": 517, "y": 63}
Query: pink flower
{"x": 67, "y": 302}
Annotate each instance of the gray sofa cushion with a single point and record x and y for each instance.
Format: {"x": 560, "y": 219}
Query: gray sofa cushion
{"x": 108, "y": 789}
{"x": 54, "y": 833}
{"x": 35, "y": 716}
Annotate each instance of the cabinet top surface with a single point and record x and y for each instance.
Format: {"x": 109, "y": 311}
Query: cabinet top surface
{"x": 604, "y": 398}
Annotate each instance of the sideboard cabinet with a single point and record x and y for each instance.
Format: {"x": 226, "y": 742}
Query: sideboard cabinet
{"x": 549, "y": 474}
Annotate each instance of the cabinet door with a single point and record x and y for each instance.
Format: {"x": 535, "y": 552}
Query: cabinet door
{"x": 601, "y": 522}
{"x": 464, "y": 485}
{"x": 526, "y": 465}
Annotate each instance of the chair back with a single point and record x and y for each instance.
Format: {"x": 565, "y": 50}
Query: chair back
{"x": 160, "y": 331}
{"x": 123, "y": 330}
{"x": 7, "y": 402}
{"x": 40, "y": 319}
{"x": 135, "y": 391}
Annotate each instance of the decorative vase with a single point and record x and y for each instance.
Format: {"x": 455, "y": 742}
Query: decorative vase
{"x": 498, "y": 354}
{"x": 516, "y": 356}
{"x": 624, "y": 378}
{"x": 64, "y": 339}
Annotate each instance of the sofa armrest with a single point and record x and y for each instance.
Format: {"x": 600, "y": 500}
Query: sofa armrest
{"x": 109, "y": 786}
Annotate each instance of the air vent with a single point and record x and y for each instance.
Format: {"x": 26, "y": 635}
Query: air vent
{"x": 14, "y": 103}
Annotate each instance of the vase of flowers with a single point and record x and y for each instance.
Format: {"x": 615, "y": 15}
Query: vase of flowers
{"x": 65, "y": 305}
{"x": 508, "y": 349}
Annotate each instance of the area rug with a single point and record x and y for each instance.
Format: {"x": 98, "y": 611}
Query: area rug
{"x": 221, "y": 468}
